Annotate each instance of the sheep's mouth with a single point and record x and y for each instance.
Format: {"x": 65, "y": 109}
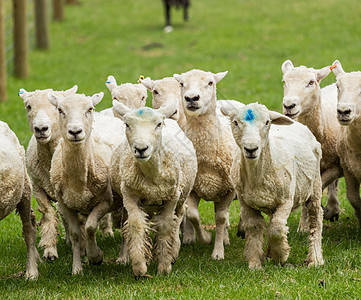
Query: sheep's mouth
{"x": 344, "y": 121}
{"x": 42, "y": 138}
{"x": 251, "y": 156}
{"x": 192, "y": 108}
{"x": 292, "y": 116}
{"x": 142, "y": 158}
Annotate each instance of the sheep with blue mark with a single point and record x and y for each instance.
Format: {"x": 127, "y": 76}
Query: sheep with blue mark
{"x": 276, "y": 169}
{"x": 154, "y": 170}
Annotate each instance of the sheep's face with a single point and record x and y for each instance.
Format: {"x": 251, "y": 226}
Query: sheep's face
{"x": 301, "y": 88}
{"x": 198, "y": 91}
{"x": 42, "y": 116}
{"x": 75, "y": 115}
{"x": 144, "y": 131}
{"x": 251, "y": 125}
{"x": 131, "y": 95}
{"x": 348, "y": 95}
{"x": 164, "y": 91}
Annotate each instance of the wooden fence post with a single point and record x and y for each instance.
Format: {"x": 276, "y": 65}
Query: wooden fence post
{"x": 72, "y": 2}
{"x": 41, "y": 24}
{"x": 21, "y": 67}
{"x": 3, "y": 96}
{"x": 58, "y": 10}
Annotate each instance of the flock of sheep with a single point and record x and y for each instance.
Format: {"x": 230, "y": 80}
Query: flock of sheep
{"x": 144, "y": 169}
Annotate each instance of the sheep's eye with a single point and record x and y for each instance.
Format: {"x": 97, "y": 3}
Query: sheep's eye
{"x": 267, "y": 122}
{"x": 235, "y": 122}
{"x": 210, "y": 83}
{"x": 311, "y": 82}
{"x": 126, "y": 125}
{"x": 114, "y": 98}
{"x": 90, "y": 109}
{"x": 159, "y": 125}
{"x": 28, "y": 107}
{"x": 143, "y": 97}
{"x": 181, "y": 84}
{"x": 155, "y": 92}
{"x": 60, "y": 110}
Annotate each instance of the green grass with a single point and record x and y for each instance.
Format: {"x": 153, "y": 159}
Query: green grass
{"x": 250, "y": 39}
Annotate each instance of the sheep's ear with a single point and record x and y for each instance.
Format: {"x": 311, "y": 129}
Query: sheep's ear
{"x": 71, "y": 90}
{"x": 279, "y": 119}
{"x": 111, "y": 83}
{"x": 55, "y": 98}
{"x": 287, "y": 66}
{"x": 120, "y": 108}
{"x": 236, "y": 104}
{"x": 170, "y": 109}
{"x": 228, "y": 109}
{"x": 337, "y": 68}
{"x": 148, "y": 83}
{"x": 177, "y": 77}
{"x": 220, "y": 76}
{"x": 23, "y": 94}
{"x": 322, "y": 73}
{"x": 96, "y": 98}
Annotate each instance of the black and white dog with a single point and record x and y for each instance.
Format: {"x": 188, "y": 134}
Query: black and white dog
{"x": 177, "y": 4}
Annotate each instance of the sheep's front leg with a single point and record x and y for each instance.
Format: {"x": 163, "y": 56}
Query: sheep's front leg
{"x": 95, "y": 255}
{"x": 203, "y": 236}
{"x": 136, "y": 234}
{"x": 254, "y": 226}
{"x": 123, "y": 257}
{"x": 279, "y": 248}
{"x": 167, "y": 241}
{"x": 28, "y": 220}
{"x": 329, "y": 178}
{"x": 75, "y": 236}
{"x": 221, "y": 210}
{"x": 353, "y": 194}
{"x": 48, "y": 225}
{"x": 105, "y": 225}
{"x": 314, "y": 209}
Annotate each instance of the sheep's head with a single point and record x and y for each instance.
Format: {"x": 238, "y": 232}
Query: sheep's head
{"x": 164, "y": 91}
{"x": 42, "y": 117}
{"x": 75, "y": 115}
{"x": 143, "y": 128}
{"x": 348, "y": 94}
{"x": 301, "y": 88}
{"x": 250, "y": 126}
{"x": 131, "y": 95}
{"x": 198, "y": 90}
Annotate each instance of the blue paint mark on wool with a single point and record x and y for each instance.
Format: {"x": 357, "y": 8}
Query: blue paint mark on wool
{"x": 249, "y": 116}
{"x": 140, "y": 111}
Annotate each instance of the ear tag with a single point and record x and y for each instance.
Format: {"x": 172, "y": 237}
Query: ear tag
{"x": 21, "y": 92}
{"x": 249, "y": 116}
{"x": 141, "y": 77}
{"x": 108, "y": 81}
{"x": 333, "y": 66}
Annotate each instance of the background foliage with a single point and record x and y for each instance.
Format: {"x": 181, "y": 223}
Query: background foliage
{"x": 250, "y": 39}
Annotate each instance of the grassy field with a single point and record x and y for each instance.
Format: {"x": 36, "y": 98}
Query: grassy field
{"x": 250, "y": 39}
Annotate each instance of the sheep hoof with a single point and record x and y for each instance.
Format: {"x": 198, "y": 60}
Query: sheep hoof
{"x": 241, "y": 234}
{"x": 329, "y": 215}
{"x": 51, "y": 258}
{"x": 168, "y": 29}
{"x": 96, "y": 263}
{"x": 146, "y": 276}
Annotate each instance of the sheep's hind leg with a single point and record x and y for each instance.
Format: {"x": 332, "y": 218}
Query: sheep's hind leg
{"x": 221, "y": 212}
{"x": 48, "y": 225}
{"x": 28, "y": 219}
{"x": 314, "y": 209}
{"x": 95, "y": 255}
{"x": 353, "y": 194}
{"x": 105, "y": 225}
{"x": 203, "y": 236}
{"x": 332, "y": 209}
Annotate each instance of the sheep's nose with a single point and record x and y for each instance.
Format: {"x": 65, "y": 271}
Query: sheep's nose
{"x": 75, "y": 132}
{"x": 251, "y": 151}
{"x": 344, "y": 113}
{"x": 289, "y": 107}
{"x": 141, "y": 150}
{"x": 192, "y": 99}
{"x": 41, "y": 129}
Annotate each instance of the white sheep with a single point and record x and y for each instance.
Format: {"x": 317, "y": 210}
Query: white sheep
{"x": 275, "y": 170}
{"x": 15, "y": 191}
{"x": 348, "y": 143}
{"x": 212, "y": 138}
{"x": 43, "y": 122}
{"x": 314, "y": 107}
{"x": 130, "y": 94}
{"x": 80, "y": 169}
{"x": 154, "y": 170}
